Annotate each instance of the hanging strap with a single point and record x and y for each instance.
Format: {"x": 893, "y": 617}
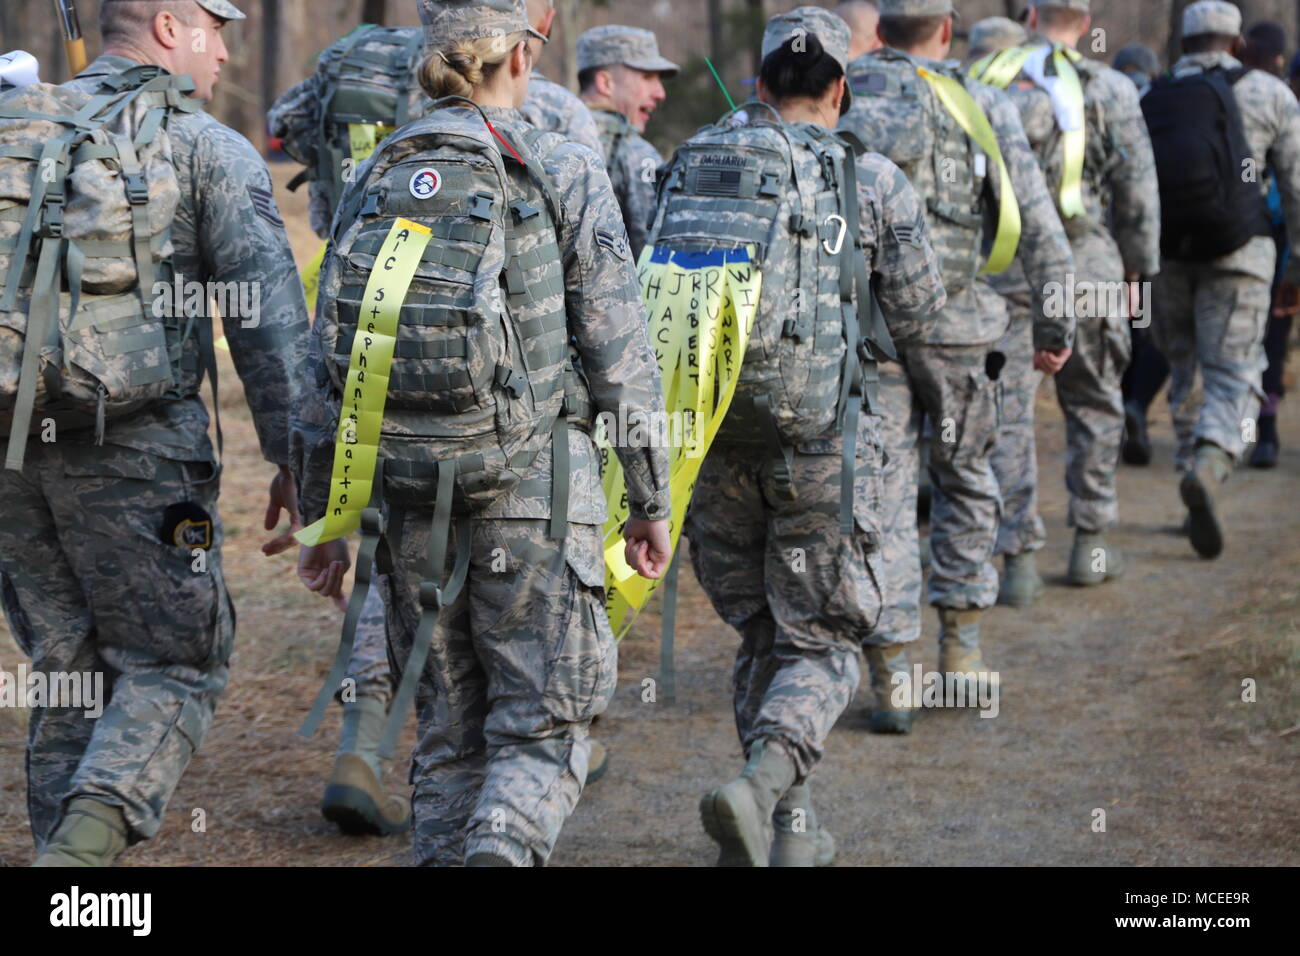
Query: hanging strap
{"x": 963, "y": 108}
{"x": 668, "y": 633}
{"x": 433, "y": 598}
{"x": 560, "y": 470}
{"x": 1000, "y": 68}
{"x": 372, "y": 539}
{"x": 42, "y": 322}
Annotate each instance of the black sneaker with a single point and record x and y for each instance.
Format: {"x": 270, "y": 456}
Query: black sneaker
{"x": 1136, "y": 449}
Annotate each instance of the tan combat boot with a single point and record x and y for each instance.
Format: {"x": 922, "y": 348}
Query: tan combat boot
{"x": 598, "y": 762}
{"x": 738, "y": 816}
{"x": 892, "y": 711}
{"x": 1210, "y": 469}
{"x": 1093, "y": 561}
{"x": 1022, "y": 585}
{"x": 92, "y": 833}
{"x": 354, "y": 797}
{"x": 799, "y": 839}
{"x": 959, "y": 649}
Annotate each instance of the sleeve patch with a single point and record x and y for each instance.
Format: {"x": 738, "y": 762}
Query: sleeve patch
{"x": 264, "y": 203}
{"x": 617, "y": 244}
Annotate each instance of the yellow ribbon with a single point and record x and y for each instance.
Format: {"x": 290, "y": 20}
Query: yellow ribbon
{"x": 311, "y": 277}
{"x": 963, "y": 108}
{"x": 364, "y": 138}
{"x": 366, "y": 391}
{"x": 702, "y": 308}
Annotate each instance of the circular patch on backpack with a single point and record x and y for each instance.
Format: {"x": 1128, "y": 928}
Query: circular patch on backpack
{"x": 426, "y": 183}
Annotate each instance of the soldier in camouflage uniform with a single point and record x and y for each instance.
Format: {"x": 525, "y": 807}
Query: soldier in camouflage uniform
{"x": 952, "y": 375}
{"x": 802, "y": 624}
{"x": 549, "y": 105}
{"x": 993, "y": 33}
{"x": 1119, "y": 185}
{"x": 620, "y": 75}
{"x": 92, "y": 585}
{"x": 524, "y": 657}
{"x": 1212, "y": 315}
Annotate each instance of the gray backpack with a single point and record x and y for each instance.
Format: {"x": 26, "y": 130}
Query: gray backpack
{"x": 478, "y": 380}
{"x": 368, "y": 78}
{"x": 791, "y": 192}
{"x": 897, "y": 114}
{"x": 87, "y": 198}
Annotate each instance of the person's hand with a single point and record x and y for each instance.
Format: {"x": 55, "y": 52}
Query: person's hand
{"x": 284, "y": 496}
{"x": 1288, "y": 300}
{"x": 1051, "y": 361}
{"x": 647, "y": 550}
{"x": 322, "y": 567}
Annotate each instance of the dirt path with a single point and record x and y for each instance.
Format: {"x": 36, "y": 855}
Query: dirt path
{"x": 1125, "y": 698}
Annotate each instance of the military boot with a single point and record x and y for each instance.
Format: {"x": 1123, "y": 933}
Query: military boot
{"x": 598, "y": 762}
{"x": 738, "y": 816}
{"x": 92, "y": 833}
{"x": 1136, "y": 448}
{"x": 1092, "y": 560}
{"x": 1022, "y": 585}
{"x": 887, "y": 715}
{"x": 959, "y": 649}
{"x": 355, "y": 797}
{"x": 799, "y": 839}
{"x": 1210, "y": 469}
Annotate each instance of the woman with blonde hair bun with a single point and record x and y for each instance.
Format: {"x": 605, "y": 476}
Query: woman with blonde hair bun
{"x": 492, "y": 505}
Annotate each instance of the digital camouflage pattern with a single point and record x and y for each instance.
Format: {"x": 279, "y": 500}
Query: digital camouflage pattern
{"x": 362, "y": 65}
{"x": 84, "y": 513}
{"x": 521, "y": 662}
{"x": 368, "y": 665}
{"x": 447, "y": 22}
{"x": 948, "y": 377}
{"x": 994, "y": 33}
{"x": 1211, "y": 316}
{"x": 631, "y": 162}
{"x": 802, "y": 594}
{"x": 89, "y": 585}
{"x": 516, "y": 722}
{"x": 612, "y": 45}
{"x": 551, "y": 107}
{"x": 1015, "y": 455}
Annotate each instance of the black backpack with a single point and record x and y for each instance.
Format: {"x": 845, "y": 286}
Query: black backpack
{"x": 1208, "y": 207}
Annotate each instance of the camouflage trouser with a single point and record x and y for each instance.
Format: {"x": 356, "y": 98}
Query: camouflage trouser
{"x": 802, "y": 594}
{"x": 92, "y": 587}
{"x": 520, "y": 663}
{"x": 1089, "y": 391}
{"x": 1214, "y": 321}
{"x": 1015, "y": 457}
{"x": 368, "y": 665}
{"x": 950, "y": 384}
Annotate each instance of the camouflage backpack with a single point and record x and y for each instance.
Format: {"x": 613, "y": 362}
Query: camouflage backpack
{"x": 366, "y": 88}
{"x": 897, "y": 114}
{"x": 87, "y": 198}
{"x": 791, "y": 192}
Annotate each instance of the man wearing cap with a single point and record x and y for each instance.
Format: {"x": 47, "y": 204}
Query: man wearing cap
{"x": 1115, "y": 175}
{"x": 549, "y": 105}
{"x": 952, "y": 376}
{"x": 94, "y": 578}
{"x": 992, "y": 34}
{"x": 620, "y": 77}
{"x": 1212, "y": 315}
{"x": 1139, "y": 64}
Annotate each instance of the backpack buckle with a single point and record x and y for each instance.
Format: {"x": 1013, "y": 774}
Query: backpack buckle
{"x": 481, "y": 207}
{"x": 510, "y": 380}
{"x": 524, "y": 211}
{"x": 800, "y": 224}
{"x": 771, "y": 185}
{"x": 431, "y": 598}
{"x": 796, "y": 329}
{"x": 52, "y": 221}
{"x": 137, "y": 189}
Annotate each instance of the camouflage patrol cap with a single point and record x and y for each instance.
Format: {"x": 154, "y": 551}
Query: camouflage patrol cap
{"x": 222, "y": 9}
{"x": 1211, "y": 16}
{"x": 996, "y": 33}
{"x": 1138, "y": 57}
{"x": 1084, "y": 6}
{"x": 830, "y": 30}
{"x": 916, "y": 8}
{"x": 451, "y": 21}
{"x": 613, "y": 44}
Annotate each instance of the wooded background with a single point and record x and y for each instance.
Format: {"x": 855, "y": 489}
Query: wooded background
{"x": 275, "y": 46}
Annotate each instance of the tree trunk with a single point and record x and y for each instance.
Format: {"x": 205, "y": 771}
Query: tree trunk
{"x": 375, "y": 11}
{"x": 571, "y": 22}
{"x": 271, "y": 54}
{"x": 1174, "y": 49}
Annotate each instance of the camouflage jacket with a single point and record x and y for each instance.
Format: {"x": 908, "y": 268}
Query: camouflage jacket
{"x": 1271, "y": 119}
{"x": 631, "y": 162}
{"x": 1119, "y": 174}
{"x": 974, "y": 315}
{"x": 227, "y": 230}
{"x": 550, "y": 106}
{"x": 607, "y": 324}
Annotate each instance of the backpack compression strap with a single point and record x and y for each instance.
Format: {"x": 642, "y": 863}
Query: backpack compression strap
{"x": 963, "y": 108}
